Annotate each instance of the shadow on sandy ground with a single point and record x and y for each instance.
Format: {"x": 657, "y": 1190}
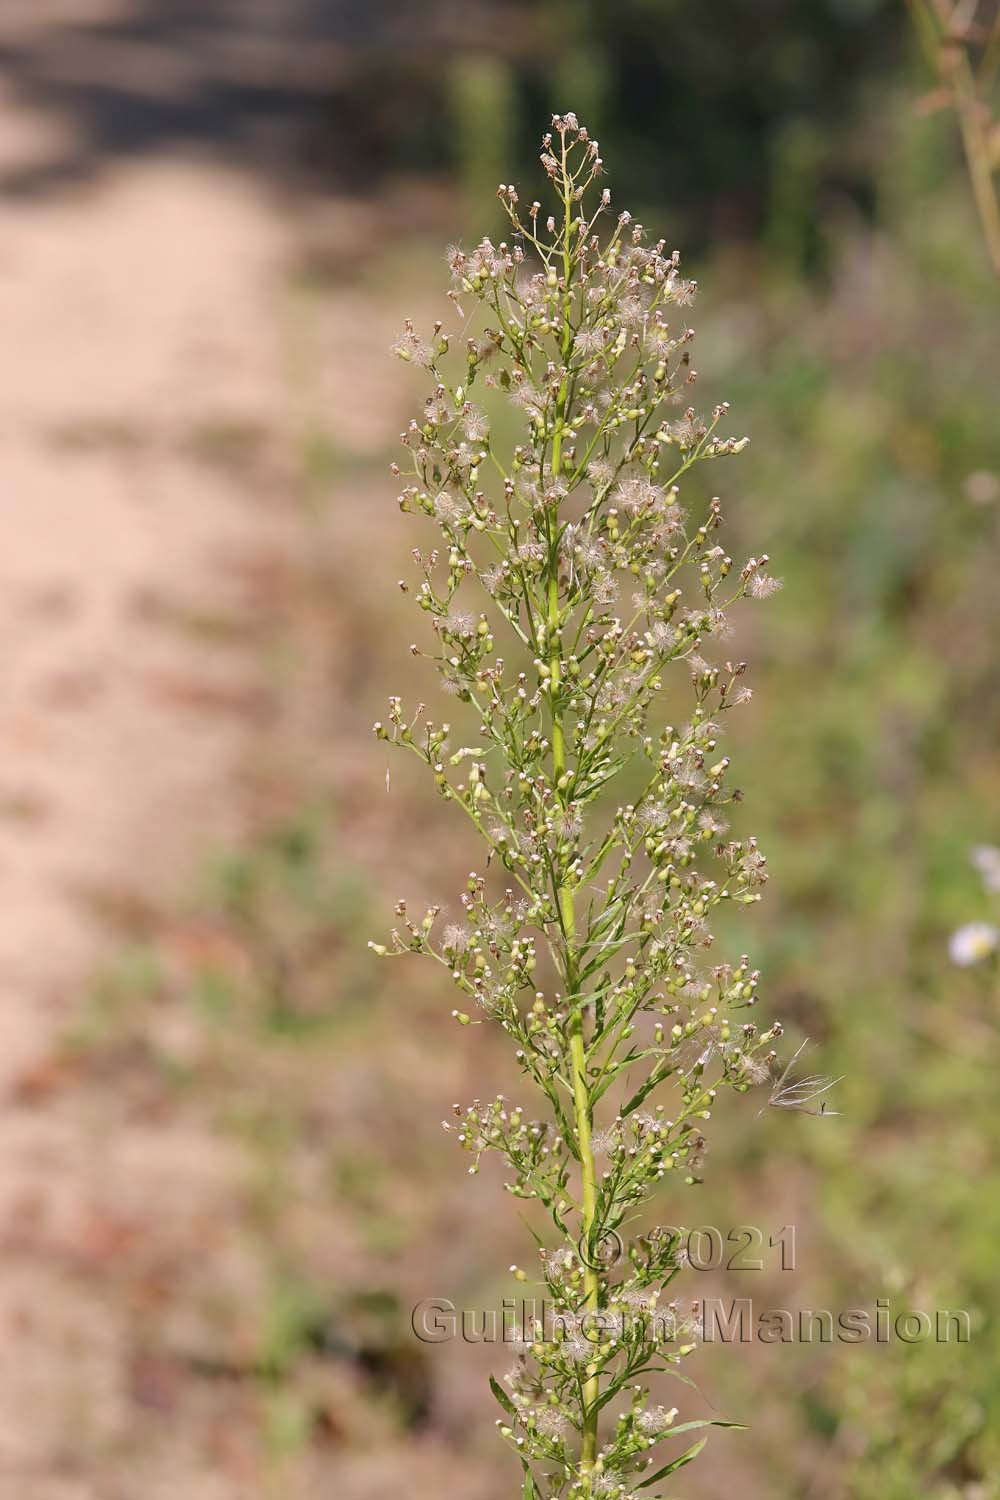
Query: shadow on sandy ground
{"x": 255, "y": 84}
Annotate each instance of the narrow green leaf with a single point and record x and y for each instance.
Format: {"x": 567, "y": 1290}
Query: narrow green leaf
{"x": 678, "y": 1463}
{"x": 533, "y": 1232}
{"x": 503, "y": 1397}
{"x": 702, "y": 1422}
{"x": 640, "y": 1095}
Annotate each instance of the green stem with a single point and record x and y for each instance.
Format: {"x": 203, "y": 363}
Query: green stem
{"x": 582, "y": 1108}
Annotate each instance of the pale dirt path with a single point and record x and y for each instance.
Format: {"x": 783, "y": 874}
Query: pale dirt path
{"x": 132, "y": 321}
{"x": 142, "y": 329}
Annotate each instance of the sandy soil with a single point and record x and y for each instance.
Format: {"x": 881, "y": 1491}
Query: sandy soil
{"x": 146, "y": 443}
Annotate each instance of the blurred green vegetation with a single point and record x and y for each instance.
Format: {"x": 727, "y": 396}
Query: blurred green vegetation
{"x": 872, "y": 769}
{"x": 750, "y": 120}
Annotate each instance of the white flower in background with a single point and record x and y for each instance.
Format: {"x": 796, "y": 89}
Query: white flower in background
{"x": 972, "y": 942}
{"x": 986, "y": 858}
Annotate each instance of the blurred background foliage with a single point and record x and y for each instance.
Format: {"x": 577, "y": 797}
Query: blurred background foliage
{"x": 752, "y": 123}
{"x": 848, "y": 314}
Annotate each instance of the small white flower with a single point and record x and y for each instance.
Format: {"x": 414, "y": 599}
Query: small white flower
{"x": 986, "y": 858}
{"x": 476, "y": 424}
{"x": 972, "y": 942}
{"x": 456, "y": 938}
{"x": 655, "y": 1419}
{"x": 550, "y": 1422}
{"x": 762, "y": 586}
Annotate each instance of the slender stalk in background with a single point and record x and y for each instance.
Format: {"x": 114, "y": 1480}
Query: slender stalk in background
{"x": 951, "y": 41}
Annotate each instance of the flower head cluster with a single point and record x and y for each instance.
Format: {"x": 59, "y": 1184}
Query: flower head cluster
{"x": 578, "y": 594}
